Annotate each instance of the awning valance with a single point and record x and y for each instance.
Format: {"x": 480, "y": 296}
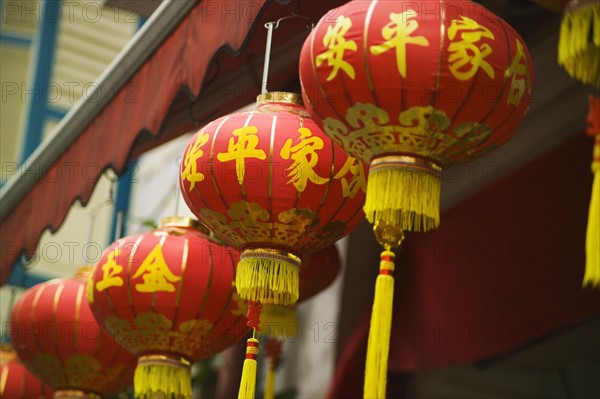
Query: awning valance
{"x": 208, "y": 65}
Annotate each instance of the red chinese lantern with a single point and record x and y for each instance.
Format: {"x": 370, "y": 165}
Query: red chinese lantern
{"x": 56, "y": 336}
{"x": 168, "y": 297}
{"x": 279, "y": 322}
{"x": 270, "y": 182}
{"x": 579, "y": 54}
{"x": 409, "y": 87}
{"x": 16, "y": 382}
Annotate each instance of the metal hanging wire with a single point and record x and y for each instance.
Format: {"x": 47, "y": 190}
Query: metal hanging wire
{"x": 271, "y": 26}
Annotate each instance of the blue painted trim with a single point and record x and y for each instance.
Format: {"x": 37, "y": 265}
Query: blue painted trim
{"x": 141, "y": 22}
{"x": 55, "y": 112}
{"x": 123, "y": 196}
{"x": 43, "y": 62}
{"x": 15, "y": 40}
{"x": 20, "y": 277}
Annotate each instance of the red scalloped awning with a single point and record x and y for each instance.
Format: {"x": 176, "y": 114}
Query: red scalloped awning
{"x": 208, "y": 66}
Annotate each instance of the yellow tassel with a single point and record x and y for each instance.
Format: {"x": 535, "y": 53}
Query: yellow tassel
{"x": 404, "y": 191}
{"x": 162, "y": 376}
{"x": 579, "y": 43}
{"x": 270, "y": 382}
{"x": 273, "y": 350}
{"x": 248, "y": 382}
{"x": 379, "y": 333}
{"x": 268, "y": 276}
{"x": 592, "y": 244}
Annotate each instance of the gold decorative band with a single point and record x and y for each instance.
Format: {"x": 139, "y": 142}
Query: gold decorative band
{"x": 7, "y": 353}
{"x": 405, "y": 162}
{"x": 272, "y": 254}
{"x": 83, "y": 272}
{"x": 180, "y": 221}
{"x": 75, "y": 393}
{"x": 279, "y": 97}
{"x": 163, "y": 360}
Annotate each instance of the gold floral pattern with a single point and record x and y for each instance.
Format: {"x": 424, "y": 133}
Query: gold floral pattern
{"x": 153, "y": 331}
{"x": 250, "y": 223}
{"x": 78, "y": 371}
{"x": 368, "y": 131}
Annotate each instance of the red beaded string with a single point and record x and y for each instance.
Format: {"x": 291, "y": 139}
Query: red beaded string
{"x": 253, "y": 315}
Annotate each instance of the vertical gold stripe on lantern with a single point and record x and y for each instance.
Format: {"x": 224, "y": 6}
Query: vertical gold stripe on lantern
{"x": 505, "y": 85}
{"x": 368, "y": 74}
{"x": 57, "y": 350}
{"x": 3, "y": 379}
{"x": 208, "y": 283}
{"x": 244, "y": 161}
{"x": 438, "y": 77}
{"x": 184, "y": 260}
{"x": 78, "y": 299}
{"x": 136, "y": 246}
{"x": 323, "y": 93}
{"x": 212, "y": 170}
{"x": 32, "y": 316}
{"x": 271, "y": 145}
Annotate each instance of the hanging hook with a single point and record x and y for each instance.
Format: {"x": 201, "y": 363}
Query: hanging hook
{"x": 270, "y": 27}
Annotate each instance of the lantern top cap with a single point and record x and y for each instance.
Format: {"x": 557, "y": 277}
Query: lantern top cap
{"x": 279, "y": 97}
{"x": 83, "y": 271}
{"x": 7, "y": 353}
{"x": 181, "y": 221}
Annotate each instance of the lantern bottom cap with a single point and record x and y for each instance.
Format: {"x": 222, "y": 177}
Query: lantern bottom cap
{"x": 404, "y": 192}
{"x": 75, "y": 394}
{"x": 162, "y": 376}
{"x": 268, "y": 275}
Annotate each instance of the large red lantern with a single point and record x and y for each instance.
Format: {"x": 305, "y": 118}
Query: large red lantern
{"x": 168, "y": 297}
{"x": 56, "y": 336}
{"x": 270, "y": 182}
{"x": 16, "y": 382}
{"x": 409, "y": 87}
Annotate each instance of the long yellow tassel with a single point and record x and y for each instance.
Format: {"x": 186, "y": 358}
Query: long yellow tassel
{"x": 592, "y": 243}
{"x": 379, "y": 333}
{"x": 248, "y": 382}
{"x": 273, "y": 351}
{"x": 162, "y": 376}
{"x": 579, "y": 42}
{"x": 268, "y": 276}
{"x": 405, "y": 191}
{"x": 270, "y": 382}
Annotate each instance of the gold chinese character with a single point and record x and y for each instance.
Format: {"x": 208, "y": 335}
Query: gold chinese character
{"x": 466, "y": 57}
{"x": 190, "y": 173}
{"x": 521, "y": 79}
{"x": 244, "y": 148}
{"x": 397, "y": 34}
{"x": 156, "y": 273}
{"x": 357, "y": 180}
{"x": 336, "y": 45}
{"x": 110, "y": 271}
{"x": 305, "y": 159}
